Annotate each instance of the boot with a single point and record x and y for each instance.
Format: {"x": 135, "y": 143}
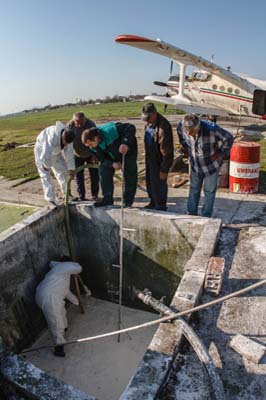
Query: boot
{"x": 59, "y": 351}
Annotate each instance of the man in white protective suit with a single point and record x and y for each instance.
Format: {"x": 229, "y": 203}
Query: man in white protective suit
{"x": 50, "y": 297}
{"x": 54, "y": 151}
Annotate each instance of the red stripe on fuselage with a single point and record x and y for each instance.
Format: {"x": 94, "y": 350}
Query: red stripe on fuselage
{"x": 226, "y": 95}
{"x": 132, "y": 38}
{"x": 212, "y": 93}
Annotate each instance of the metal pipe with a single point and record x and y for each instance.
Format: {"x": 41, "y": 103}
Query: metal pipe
{"x": 121, "y": 249}
{"x": 192, "y": 338}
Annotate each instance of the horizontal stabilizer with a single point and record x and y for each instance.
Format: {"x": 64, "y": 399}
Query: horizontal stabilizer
{"x": 190, "y": 107}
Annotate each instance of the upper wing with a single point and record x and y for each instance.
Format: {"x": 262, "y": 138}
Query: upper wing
{"x": 179, "y": 55}
{"x": 190, "y": 106}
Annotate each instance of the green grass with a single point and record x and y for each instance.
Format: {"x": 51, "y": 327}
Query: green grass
{"x": 10, "y": 215}
{"x": 19, "y": 163}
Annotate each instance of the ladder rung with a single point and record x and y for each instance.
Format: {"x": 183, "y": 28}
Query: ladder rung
{"x": 116, "y": 265}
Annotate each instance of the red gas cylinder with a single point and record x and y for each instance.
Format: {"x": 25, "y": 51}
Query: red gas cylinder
{"x": 244, "y": 167}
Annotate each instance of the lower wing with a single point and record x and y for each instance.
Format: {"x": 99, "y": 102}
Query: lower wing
{"x": 190, "y": 106}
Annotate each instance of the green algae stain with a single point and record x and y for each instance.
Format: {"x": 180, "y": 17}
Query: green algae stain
{"x": 11, "y": 214}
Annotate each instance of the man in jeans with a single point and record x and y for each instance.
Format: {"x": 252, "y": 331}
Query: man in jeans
{"x": 206, "y": 145}
{"x": 82, "y": 155}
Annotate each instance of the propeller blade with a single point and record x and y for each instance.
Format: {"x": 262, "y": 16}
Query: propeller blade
{"x": 158, "y": 83}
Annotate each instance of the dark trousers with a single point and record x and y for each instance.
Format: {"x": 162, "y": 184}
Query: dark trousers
{"x": 157, "y": 189}
{"x": 130, "y": 175}
{"x": 94, "y": 177}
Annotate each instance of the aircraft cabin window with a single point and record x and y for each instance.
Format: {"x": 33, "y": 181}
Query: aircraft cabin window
{"x": 222, "y": 88}
{"x": 237, "y": 91}
{"x": 201, "y": 76}
{"x": 229, "y": 90}
{"x": 215, "y": 87}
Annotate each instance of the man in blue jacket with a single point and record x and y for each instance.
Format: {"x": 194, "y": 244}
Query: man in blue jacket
{"x": 109, "y": 142}
{"x": 206, "y": 145}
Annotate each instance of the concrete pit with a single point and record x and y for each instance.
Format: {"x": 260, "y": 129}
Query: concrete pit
{"x": 160, "y": 250}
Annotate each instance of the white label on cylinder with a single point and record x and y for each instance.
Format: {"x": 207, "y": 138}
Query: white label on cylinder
{"x": 248, "y": 171}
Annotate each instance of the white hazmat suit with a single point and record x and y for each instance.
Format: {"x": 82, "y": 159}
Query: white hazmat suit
{"x": 51, "y": 294}
{"x": 49, "y": 155}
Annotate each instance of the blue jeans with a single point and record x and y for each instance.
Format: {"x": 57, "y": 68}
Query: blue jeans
{"x": 209, "y": 183}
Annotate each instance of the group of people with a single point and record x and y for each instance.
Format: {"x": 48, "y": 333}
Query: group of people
{"x": 110, "y": 147}
{"x": 113, "y": 146}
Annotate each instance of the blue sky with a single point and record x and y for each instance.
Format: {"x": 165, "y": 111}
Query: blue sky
{"x": 56, "y": 51}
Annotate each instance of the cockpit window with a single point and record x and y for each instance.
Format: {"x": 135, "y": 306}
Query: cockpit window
{"x": 174, "y": 78}
{"x": 200, "y": 76}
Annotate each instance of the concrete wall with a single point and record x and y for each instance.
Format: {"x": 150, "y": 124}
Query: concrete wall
{"x": 156, "y": 249}
{"x": 26, "y": 250}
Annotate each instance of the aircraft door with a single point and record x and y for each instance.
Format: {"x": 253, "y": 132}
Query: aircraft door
{"x": 259, "y": 102}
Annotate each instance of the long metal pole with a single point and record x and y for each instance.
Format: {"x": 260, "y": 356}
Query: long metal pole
{"x": 121, "y": 250}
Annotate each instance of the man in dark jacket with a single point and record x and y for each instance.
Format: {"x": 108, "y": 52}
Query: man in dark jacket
{"x": 83, "y": 155}
{"x": 158, "y": 156}
{"x": 109, "y": 142}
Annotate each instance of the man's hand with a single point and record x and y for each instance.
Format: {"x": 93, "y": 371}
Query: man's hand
{"x": 123, "y": 149}
{"x": 163, "y": 176}
{"x": 94, "y": 160}
{"x": 117, "y": 165}
{"x": 216, "y": 156}
{"x": 71, "y": 174}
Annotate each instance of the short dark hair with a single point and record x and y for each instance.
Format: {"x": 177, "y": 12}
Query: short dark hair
{"x": 191, "y": 121}
{"x": 147, "y": 110}
{"x": 68, "y": 135}
{"x": 89, "y": 134}
{"x": 78, "y": 115}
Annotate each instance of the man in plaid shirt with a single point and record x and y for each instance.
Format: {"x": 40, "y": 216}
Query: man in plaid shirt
{"x": 206, "y": 145}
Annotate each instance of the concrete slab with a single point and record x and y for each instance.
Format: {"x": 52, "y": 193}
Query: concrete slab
{"x": 244, "y": 253}
{"x": 100, "y": 368}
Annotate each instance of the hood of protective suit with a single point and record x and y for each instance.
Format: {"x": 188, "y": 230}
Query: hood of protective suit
{"x": 65, "y": 267}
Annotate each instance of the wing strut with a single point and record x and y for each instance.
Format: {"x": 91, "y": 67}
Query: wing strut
{"x": 182, "y": 79}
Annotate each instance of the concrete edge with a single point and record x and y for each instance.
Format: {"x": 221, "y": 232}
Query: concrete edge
{"x": 27, "y": 380}
{"x": 156, "y": 364}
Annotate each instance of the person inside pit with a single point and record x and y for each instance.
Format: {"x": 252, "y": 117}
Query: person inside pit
{"x": 50, "y": 296}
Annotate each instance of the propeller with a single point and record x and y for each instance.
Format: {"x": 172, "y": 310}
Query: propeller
{"x": 158, "y": 83}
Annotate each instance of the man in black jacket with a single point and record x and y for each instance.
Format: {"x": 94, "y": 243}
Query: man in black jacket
{"x": 158, "y": 156}
{"x": 109, "y": 142}
{"x": 83, "y": 155}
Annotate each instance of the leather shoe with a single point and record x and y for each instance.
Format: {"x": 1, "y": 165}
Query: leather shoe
{"x": 103, "y": 203}
{"x": 149, "y": 206}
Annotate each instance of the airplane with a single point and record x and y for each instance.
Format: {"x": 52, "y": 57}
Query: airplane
{"x": 209, "y": 90}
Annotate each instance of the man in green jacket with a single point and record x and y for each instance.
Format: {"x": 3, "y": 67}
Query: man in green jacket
{"x": 109, "y": 142}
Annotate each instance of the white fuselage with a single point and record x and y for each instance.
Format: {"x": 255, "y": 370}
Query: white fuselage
{"x": 218, "y": 92}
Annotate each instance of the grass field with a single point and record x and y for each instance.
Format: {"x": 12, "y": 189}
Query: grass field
{"x": 19, "y": 162}
{"x": 22, "y": 129}
{"x": 11, "y": 214}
